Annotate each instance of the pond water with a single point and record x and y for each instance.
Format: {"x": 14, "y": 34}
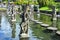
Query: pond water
{"x": 36, "y": 32}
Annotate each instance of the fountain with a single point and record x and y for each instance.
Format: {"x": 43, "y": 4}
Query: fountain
{"x": 31, "y": 11}
{"x": 24, "y": 25}
{"x": 13, "y": 13}
{"x": 53, "y": 28}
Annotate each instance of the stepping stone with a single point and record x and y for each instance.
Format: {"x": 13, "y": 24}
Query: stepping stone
{"x": 39, "y": 22}
{"x": 44, "y": 25}
{"x": 58, "y": 32}
{"x": 52, "y": 28}
{"x": 35, "y": 20}
{"x": 13, "y": 20}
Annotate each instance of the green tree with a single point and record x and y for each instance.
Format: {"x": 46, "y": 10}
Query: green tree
{"x": 46, "y": 2}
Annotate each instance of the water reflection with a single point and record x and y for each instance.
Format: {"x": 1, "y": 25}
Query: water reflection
{"x": 5, "y": 31}
{"x": 24, "y": 39}
{"x": 0, "y": 19}
{"x": 13, "y": 29}
{"x": 43, "y": 34}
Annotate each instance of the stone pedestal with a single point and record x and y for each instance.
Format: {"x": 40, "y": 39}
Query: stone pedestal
{"x": 24, "y": 35}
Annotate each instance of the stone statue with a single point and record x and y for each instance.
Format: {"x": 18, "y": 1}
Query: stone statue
{"x": 23, "y": 28}
{"x": 24, "y": 24}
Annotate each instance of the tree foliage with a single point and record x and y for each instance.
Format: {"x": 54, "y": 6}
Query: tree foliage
{"x": 46, "y": 2}
{"x": 41, "y": 2}
{"x": 26, "y": 2}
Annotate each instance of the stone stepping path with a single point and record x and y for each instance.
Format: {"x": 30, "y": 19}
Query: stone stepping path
{"x": 41, "y": 23}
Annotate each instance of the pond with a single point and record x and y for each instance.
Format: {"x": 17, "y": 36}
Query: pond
{"x": 11, "y": 32}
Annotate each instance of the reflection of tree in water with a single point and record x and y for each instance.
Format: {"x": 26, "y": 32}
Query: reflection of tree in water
{"x": 13, "y": 29}
{"x": 24, "y": 39}
{"x": 39, "y": 33}
{"x": 58, "y": 23}
{"x": 55, "y": 37}
{"x": 0, "y": 20}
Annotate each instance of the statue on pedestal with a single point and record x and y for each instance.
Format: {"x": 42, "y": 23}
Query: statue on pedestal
{"x": 24, "y": 24}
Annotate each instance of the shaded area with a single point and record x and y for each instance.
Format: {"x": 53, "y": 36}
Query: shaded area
{"x": 42, "y": 33}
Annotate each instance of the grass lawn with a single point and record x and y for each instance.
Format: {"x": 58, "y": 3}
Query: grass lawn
{"x": 47, "y": 9}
